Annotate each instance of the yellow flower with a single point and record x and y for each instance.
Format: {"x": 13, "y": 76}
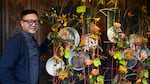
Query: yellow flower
{"x": 63, "y": 74}
{"x": 61, "y": 51}
{"x": 145, "y": 40}
{"x": 138, "y": 81}
{"x": 128, "y": 54}
{"x": 122, "y": 69}
{"x": 55, "y": 57}
{"x": 132, "y": 36}
{"x": 97, "y": 19}
{"x": 94, "y": 37}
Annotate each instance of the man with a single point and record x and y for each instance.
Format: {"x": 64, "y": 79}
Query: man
{"x": 20, "y": 60}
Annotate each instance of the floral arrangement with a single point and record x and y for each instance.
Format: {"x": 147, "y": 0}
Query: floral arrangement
{"x": 84, "y": 46}
{"x": 67, "y": 41}
{"x": 130, "y": 49}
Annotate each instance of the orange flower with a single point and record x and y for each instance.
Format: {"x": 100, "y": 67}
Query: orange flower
{"x": 130, "y": 14}
{"x": 128, "y": 54}
{"x": 82, "y": 38}
{"x": 111, "y": 52}
{"x": 95, "y": 28}
{"x": 54, "y": 29}
{"x": 64, "y": 33}
{"x": 89, "y": 62}
{"x": 117, "y": 25}
{"x": 140, "y": 39}
{"x": 95, "y": 72}
{"x": 67, "y": 47}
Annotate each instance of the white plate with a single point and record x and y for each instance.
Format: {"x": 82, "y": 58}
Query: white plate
{"x": 111, "y": 34}
{"x": 72, "y": 35}
{"x": 52, "y": 67}
{"x": 78, "y": 59}
{"x": 90, "y": 43}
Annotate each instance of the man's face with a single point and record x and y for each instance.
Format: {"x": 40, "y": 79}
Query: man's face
{"x": 29, "y": 23}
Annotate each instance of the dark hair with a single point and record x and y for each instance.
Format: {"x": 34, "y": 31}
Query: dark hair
{"x": 28, "y": 11}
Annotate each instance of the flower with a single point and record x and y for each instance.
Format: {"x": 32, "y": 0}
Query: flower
{"x": 89, "y": 62}
{"x": 63, "y": 74}
{"x": 117, "y": 25}
{"x": 122, "y": 69}
{"x": 95, "y": 72}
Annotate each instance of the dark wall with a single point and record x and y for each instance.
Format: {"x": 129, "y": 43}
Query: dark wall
{"x": 0, "y": 27}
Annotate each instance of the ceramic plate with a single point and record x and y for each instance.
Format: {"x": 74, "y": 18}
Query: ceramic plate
{"x": 52, "y": 67}
{"x": 130, "y": 63}
{"x": 111, "y": 34}
{"x": 71, "y": 35}
{"x": 77, "y": 60}
{"x": 90, "y": 43}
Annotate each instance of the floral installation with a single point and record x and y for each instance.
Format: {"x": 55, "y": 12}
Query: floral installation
{"x": 61, "y": 28}
{"x": 125, "y": 48}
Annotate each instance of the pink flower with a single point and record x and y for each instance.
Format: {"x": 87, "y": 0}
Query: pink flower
{"x": 122, "y": 35}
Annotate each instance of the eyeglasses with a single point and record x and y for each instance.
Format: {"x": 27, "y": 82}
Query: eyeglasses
{"x": 30, "y": 22}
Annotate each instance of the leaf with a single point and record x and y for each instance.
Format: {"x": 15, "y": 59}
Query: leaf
{"x": 46, "y": 14}
{"x": 97, "y": 62}
{"x": 54, "y": 35}
{"x": 118, "y": 55}
{"x": 144, "y": 81}
{"x": 41, "y": 21}
{"x": 123, "y": 62}
{"x": 145, "y": 73}
{"x": 67, "y": 53}
{"x": 81, "y": 9}
{"x": 100, "y": 79}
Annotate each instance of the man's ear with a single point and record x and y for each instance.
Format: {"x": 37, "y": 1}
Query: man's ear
{"x": 21, "y": 23}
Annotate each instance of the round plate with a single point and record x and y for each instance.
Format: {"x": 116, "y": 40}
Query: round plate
{"x": 78, "y": 59}
{"x": 142, "y": 51}
{"x": 52, "y": 67}
{"x": 132, "y": 62}
{"x": 89, "y": 43}
{"x": 111, "y": 34}
{"x": 71, "y": 35}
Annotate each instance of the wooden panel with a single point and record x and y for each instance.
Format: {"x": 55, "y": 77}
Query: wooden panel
{"x": 11, "y": 16}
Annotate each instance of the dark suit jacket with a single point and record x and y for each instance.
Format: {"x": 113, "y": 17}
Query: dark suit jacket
{"x": 14, "y": 62}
